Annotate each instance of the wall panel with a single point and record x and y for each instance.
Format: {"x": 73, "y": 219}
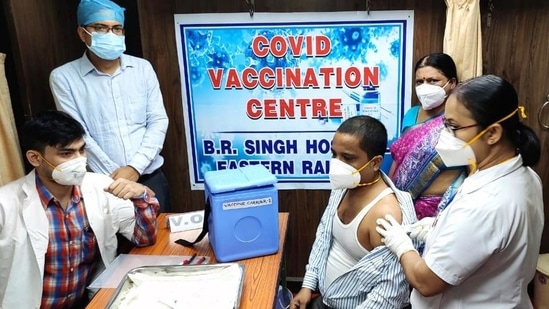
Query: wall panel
{"x": 515, "y": 46}
{"x": 38, "y": 31}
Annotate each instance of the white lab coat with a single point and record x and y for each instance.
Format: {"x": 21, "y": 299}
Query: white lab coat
{"x": 485, "y": 244}
{"x": 24, "y": 234}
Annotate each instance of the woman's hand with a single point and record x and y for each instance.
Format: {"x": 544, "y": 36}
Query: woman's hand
{"x": 394, "y": 236}
{"x": 421, "y": 228}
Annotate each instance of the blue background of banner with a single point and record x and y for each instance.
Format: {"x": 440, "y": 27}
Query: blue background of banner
{"x": 221, "y": 130}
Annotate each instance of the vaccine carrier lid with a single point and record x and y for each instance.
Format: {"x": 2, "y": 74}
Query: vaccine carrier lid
{"x": 247, "y": 177}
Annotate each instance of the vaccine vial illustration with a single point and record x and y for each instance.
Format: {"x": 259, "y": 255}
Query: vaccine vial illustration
{"x": 367, "y": 103}
{"x": 370, "y": 103}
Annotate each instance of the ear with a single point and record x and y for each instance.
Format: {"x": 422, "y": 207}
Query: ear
{"x": 82, "y": 34}
{"x": 453, "y": 83}
{"x": 494, "y": 134}
{"x": 376, "y": 162}
{"x": 34, "y": 157}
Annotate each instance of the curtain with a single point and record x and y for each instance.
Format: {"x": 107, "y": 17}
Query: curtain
{"x": 462, "y": 37}
{"x": 11, "y": 162}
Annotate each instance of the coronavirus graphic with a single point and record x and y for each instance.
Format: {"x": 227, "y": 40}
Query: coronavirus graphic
{"x": 196, "y": 69}
{"x": 395, "y": 48}
{"x": 198, "y": 41}
{"x": 219, "y": 58}
{"x": 350, "y": 43}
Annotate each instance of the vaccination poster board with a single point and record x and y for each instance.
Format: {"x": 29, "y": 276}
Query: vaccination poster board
{"x": 272, "y": 88}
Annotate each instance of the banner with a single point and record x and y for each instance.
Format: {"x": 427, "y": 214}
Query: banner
{"x": 272, "y": 89}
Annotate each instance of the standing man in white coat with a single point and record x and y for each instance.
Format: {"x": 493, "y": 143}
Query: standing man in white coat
{"x": 58, "y": 223}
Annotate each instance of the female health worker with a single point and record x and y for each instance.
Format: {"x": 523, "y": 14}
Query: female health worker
{"x": 481, "y": 251}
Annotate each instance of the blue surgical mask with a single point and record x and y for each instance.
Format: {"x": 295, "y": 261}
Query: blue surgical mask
{"x": 108, "y": 46}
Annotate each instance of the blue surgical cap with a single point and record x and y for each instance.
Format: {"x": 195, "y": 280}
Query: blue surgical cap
{"x": 91, "y": 11}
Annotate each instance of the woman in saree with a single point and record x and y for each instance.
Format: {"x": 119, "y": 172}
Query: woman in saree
{"x": 417, "y": 168}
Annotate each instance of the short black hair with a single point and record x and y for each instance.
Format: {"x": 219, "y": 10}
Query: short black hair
{"x": 371, "y": 132}
{"x": 50, "y": 128}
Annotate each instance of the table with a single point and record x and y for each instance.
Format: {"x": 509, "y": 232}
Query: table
{"x": 261, "y": 274}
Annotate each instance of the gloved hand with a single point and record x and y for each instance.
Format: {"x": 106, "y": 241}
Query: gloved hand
{"x": 421, "y": 228}
{"x": 394, "y": 236}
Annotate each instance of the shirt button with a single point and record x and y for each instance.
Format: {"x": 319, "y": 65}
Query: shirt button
{"x": 72, "y": 269}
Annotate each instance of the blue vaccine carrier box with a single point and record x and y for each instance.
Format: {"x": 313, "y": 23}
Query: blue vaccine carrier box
{"x": 243, "y": 222}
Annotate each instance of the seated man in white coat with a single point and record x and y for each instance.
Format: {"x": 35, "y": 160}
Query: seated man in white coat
{"x": 58, "y": 223}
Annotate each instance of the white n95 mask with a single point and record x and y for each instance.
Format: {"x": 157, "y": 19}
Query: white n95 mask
{"x": 431, "y": 96}
{"x": 342, "y": 175}
{"x": 71, "y": 172}
{"x": 453, "y": 151}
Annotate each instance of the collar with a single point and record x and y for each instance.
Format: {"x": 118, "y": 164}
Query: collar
{"x": 480, "y": 179}
{"x": 85, "y": 65}
{"x": 48, "y": 199}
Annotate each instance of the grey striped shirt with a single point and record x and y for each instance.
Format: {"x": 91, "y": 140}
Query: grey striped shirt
{"x": 377, "y": 281}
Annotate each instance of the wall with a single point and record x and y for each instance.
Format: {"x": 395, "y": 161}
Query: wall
{"x": 515, "y": 46}
{"x": 42, "y": 36}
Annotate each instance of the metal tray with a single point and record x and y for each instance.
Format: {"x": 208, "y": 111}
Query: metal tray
{"x": 216, "y": 286}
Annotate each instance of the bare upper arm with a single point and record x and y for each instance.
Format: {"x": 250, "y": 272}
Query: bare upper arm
{"x": 387, "y": 205}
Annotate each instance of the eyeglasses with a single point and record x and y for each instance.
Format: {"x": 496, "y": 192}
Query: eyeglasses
{"x": 452, "y": 128}
{"x": 100, "y": 28}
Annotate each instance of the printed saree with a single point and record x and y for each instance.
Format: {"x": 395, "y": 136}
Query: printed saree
{"x": 417, "y": 164}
